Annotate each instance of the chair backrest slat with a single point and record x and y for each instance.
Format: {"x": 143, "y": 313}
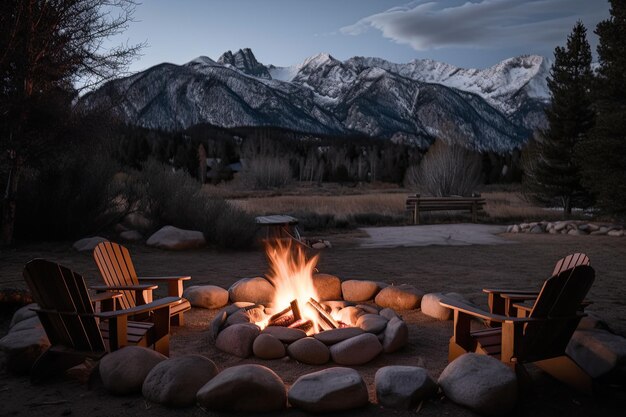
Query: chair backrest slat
{"x": 557, "y": 305}
{"x": 68, "y": 319}
{"x": 569, "y": 262}
{"x": 116, "y": 268}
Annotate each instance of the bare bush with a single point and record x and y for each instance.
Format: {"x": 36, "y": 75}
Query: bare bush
{"x": 446, "y": 170}
{"x": 267, "y": 172}
{"x": 174, "y": 198}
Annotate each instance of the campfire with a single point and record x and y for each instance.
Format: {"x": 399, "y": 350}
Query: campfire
{"x": 297, "y": 312}
{"x": 296, "y": 298}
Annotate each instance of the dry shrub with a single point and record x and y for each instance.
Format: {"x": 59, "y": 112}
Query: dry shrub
{"x": 174, "y": 198}
{"x": 446, "y": 170}
{"x": 265, "y": 172}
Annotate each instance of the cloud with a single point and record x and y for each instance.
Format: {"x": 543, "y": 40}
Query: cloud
{"x": 429, "y": 24}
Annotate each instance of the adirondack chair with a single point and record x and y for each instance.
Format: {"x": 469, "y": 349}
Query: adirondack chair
{"x": 118, "y": 273}
{"x": 75, "y": 331}
{"x": 501, "y": 301}
{"x": 540, "y": 338}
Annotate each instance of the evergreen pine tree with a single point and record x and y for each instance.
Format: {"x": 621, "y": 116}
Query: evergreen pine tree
{"x": 553, "y": 177}
{"x": 603, "y": 154}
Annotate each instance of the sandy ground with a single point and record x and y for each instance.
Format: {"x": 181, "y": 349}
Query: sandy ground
{"x": 437, "y": 234}
{"x": 465, "y": 269}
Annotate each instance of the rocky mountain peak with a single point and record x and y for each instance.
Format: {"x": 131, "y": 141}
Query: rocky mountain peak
{"x": 245, "y": 61}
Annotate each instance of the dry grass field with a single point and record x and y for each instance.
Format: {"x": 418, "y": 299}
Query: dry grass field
{"x": 501, "y": 207}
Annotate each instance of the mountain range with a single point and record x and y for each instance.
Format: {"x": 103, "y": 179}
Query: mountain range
{"x": 493, "y": 109}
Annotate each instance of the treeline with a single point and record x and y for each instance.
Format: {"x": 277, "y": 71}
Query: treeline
{"x": 272, "y": 157}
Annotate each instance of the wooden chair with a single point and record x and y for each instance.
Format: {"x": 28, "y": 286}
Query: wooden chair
{"x": 501, "y": 301}
{"x": 75, "y": 331}
{"x": 540, "y": 338}
{"x": 118, "y": 272}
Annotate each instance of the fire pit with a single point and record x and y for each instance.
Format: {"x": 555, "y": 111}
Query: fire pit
{"x": 298, "y": 320}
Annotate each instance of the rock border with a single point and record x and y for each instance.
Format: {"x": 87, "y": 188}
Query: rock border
{"x": 569, "y": 227}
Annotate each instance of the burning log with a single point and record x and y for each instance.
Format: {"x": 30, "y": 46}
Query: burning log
{"x": 295, "y": 309}
{"x": 280, "y": 314}
{"x": 283, "y": 321}
{"x": 304, "y": 325}
{"x": 282, "y": 318}
{"x": 324, "y": 316}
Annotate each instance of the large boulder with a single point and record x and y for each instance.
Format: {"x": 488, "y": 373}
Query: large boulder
{"x": 329, "y": 390}
{"x": 237, "y": 339}
{"x": 285, "y": 334}
{"x": 173, "y": 238}
{"x": 356, "y": 350}
{"x": 216, "y": 324}
{"x": 598, "y": 352}
{"x": 310, "y": 351}
{"x": 354, "y": 290}
{"x": 254, "y": 290}
{"x": 131, "y": 236}
{"x": 330, "y": 337}
{"x": 481, "y": 383}
{"x": 206, "y": 296}
{"x": 400, "y": 297}
{"x": 328, "y": 287}
{"x": 23, "y": 313}
{"x": 431, "y": 307}
{"x": 396, "y": 335}
{"x": 402, "y": 387}
{"x": 23, "y": 347}
{"x": 372, "y": 323}
{"x": 266, "y": 346}
{"x": 175, "y": 382}
{"x": 30, "y": 323}
{"x": 88, "y": 243}
{"x": 251, "y": 388}
{"x": 350, "y": 315}
{"x": 123, "y": 371}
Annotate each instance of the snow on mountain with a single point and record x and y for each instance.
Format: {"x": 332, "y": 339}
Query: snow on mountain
{"x": 493, "y": 109}
{"x": 500, "y": 85}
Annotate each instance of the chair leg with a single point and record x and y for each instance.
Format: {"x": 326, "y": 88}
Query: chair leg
{"x": 454, "y": 351}
{"x": 177, "y": 320}
{"x": 567, "y": 371}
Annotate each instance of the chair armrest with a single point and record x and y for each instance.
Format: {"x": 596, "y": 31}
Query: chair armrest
{"x": 510, "y": 291}
{"x": 518, "y": 297}
{"x": 155, "y": 305}
{"x": 103, "y": 296}
{"x": 174, "y": 284}
{"x": 139, "y": 287}
{"x": 180, "y": 278}
{"x": 471, "y": 310}
{"x": 526, "y": 308}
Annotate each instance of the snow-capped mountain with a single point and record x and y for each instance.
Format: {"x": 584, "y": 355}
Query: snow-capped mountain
{"x": 491, "y": 110}
{"x": 508, "y": 86}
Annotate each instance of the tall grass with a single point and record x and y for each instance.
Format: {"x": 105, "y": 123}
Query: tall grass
{"x": 388, "y": 209}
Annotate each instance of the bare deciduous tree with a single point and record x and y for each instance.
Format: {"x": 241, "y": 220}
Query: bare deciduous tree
{"x": 446, "y": 170}
{"x": 49, "y": 50}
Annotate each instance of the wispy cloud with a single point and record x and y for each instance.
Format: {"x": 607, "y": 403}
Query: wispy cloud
{"x": 429, "y": 24}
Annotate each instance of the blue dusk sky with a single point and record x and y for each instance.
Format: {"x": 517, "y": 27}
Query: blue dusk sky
{"x": 466, "y": 33}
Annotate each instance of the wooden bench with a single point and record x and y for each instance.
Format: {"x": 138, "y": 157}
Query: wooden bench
{"x": 416, "y": 204}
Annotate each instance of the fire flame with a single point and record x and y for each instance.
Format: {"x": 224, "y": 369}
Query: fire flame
{"x": 291, "y": 273}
